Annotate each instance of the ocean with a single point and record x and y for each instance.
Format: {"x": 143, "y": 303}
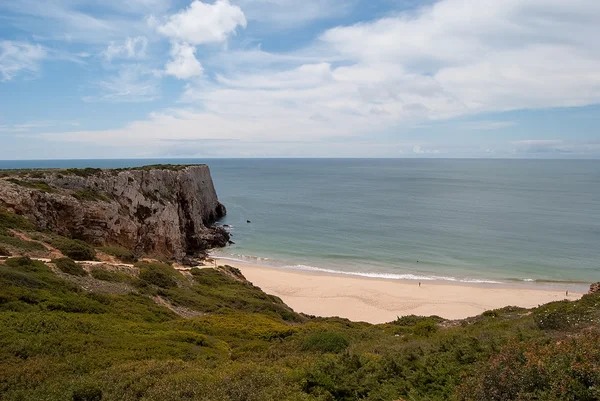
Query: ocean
{"x": 471, "y": 221}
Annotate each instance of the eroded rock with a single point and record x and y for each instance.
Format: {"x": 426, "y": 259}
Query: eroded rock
{"x": 165, "y": 212}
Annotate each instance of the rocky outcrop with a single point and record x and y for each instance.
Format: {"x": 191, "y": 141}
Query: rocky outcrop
{"x": 162, "y": 211}
{"x": 594, "y": 288}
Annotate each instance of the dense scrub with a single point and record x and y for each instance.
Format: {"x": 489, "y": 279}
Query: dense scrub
{"x": 61, "y": 342}
{"x": 123, "y": 254}
{"x": 75, "y": 249}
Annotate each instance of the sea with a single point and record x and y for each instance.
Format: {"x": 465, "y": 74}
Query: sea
{"x": 473, "y": 221}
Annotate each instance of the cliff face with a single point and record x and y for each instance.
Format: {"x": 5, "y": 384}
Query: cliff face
{"x": 162, "y": 211}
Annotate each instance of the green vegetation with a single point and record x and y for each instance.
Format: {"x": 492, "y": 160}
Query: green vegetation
{"x": 21, "y": 245}
{"x": 123, "y": 254}
{"x": 74, "y": 249}
{"x": 81, "y": 172}
{"x": 69, "y": 266}
{"x": 4, "y": 251}
{"x": 111, "y": 276}
{"x": 38, "y": 185}
{"x": 236, "y": 343}
{"x": 158, "y": 274}
{"x": 90, "y": 196}
{"x": 325, "y": 342}
{"x": 171, "y": 167}
{"x": 13, "y": 221}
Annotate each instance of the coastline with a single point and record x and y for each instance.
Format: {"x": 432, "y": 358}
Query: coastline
{"x": 379, "y": 300}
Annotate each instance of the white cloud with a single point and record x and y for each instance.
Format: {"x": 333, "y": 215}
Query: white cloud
{"x": 184, "y": 64}
{"x": 19, "y": 58}
{"x": 487, "y": 125}
{"x": 540, "y": 146}
{"x": 133, "y": 83}
{"x": 286, "y": 13}
{"x": 455, "y": 58}
{"x": 131, "y": 48}
{"x": 417, "y": 149}
{"x": 204, "y": 23}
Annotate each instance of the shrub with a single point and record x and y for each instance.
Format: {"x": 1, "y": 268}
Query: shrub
{"x": 87, "y": 393}
{"x": 568, "y": 369}
{"x": 121, "y": 253}
{"x": 325, "y": 342}
{"x": 82, "y": 172}
{"x": 90, "y": 195}
{"x": 158, "y": 274}
{"x": 106, "y": 275}
{"x": 28, "y": 246}
{"x": 39, "y": 185}
{"x": 562, "y": 315}
{"x": 4, "y": 251}
{"x": 75, "y": 249}
{"x": 425, "y": 328}
{"x": 26, "y": 264}
{"x": 68, "y": 266}
{"x": 14, "y": 221}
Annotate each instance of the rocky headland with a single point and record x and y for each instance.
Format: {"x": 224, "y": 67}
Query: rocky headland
{"x": 164, "y": 211}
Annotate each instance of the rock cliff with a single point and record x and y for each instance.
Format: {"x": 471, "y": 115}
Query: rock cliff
{"x": 163, "y": 211}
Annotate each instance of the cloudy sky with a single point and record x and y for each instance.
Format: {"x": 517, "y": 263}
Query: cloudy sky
{"x": 290, "y": 78}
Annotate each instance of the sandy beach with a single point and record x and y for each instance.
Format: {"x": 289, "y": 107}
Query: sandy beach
{"x": 381, "y": 300}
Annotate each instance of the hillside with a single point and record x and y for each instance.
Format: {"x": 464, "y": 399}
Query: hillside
{"x": 121, "y": 328}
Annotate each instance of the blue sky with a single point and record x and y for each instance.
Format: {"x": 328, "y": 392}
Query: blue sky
{"x": 288, "y": 78}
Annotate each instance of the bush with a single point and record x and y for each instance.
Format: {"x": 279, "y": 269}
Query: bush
{"x": 425, "y": 329}
{"x": 4, "y": 251}
{"x": 39, "y": 185}
{"x": 26, "y": 264}
{"x": 562, "y": 315}
{"x": 82, "y": 172}
{"x": 106, "y": 275}
{"x": 568, "y": 369}
{"x": 158, "y": 274}
{"x": 90, "y": 195}
{"x": 14, "y": 221}
{"x": 119, "y": 252}
{"x": 75, "y": 249}
{"x": 88, "y": 393}
{"x": 325, "y": 342}
{"x": 68, "y": 266}
{"x": 22, "y": 245}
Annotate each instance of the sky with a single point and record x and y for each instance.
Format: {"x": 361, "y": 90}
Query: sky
{"x": 83, "y": 79}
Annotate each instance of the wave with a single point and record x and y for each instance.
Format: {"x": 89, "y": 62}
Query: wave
{"x": 386, "y": 276}
{"x": 392, "y": 276}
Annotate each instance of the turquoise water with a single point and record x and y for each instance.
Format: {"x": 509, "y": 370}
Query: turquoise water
{"x": 455, "y": 220}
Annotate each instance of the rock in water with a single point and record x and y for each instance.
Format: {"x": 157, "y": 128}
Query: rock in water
{"x": 162, "y": 211}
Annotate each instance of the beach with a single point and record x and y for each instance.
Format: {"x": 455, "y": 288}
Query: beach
{"x": 382, "y": 300}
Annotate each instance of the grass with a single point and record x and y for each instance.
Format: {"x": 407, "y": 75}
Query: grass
{"x": 61, "y": 342}
{"x": 331, "y": 342}
{"x": 158, "y": 274}
{"x": 119, "y": 252}
{"x": 171, "y": 167}
{"x": 81, "y": 172}
{"x": 110, "y": 276}
{"x": 74, "y": 249}
{"x": 38, "y": 185}
{"x": 13, "y": 221}
{"x": 21, "y": 245}
{"x": 69, "y": 266}
{"x": 90, "y": 196}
